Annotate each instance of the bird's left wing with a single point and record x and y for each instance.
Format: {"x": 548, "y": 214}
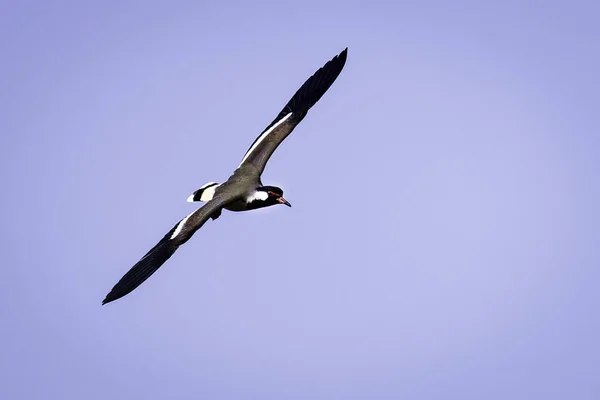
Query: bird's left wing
{"x": 164, "y": 249}
{"x": 294, "y": 111}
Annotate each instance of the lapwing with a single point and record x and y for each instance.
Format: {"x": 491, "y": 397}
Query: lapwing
{"x": 243, "y": 190}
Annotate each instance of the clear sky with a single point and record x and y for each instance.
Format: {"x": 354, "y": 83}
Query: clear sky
{"x": 443, "y": 240}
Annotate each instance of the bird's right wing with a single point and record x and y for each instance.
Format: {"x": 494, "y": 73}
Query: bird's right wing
{"x": 164, "y": 249}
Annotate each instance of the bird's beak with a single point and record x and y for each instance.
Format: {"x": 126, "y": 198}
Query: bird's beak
{"x": 284, "y": 201}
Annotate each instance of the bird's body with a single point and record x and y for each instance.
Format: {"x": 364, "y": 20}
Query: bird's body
{"x": 243, "y": 190}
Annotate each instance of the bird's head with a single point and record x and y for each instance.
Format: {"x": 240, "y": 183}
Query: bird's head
{"x": 267, "y": 196}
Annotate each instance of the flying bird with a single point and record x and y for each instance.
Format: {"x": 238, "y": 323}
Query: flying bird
{"x": 243, "y": 190}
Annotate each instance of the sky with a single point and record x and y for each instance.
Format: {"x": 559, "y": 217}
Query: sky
{"x": 443, "y": 239}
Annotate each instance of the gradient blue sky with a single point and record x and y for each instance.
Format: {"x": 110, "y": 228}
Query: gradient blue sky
{"x": 443, "y": 242}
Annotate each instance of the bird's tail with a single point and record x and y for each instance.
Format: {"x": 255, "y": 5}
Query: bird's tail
{"x": 205, "y": 193}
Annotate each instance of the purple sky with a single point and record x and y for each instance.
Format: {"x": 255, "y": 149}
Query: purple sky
{"x": 443, "y": 242}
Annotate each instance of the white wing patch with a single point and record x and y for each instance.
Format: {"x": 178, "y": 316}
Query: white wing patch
{"x": 180, "y": 225}
{"x": 264, "y": 135}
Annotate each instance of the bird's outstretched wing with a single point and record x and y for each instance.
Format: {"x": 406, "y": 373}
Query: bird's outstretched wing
{"x": 295, "y": 110}
{"x": 164, "y": 249}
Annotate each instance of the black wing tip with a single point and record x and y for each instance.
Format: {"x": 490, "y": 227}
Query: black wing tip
{"x": 113, "y": 295}
{"x": 122, "y": 288}
{"x": 343, "y": 54}
{"x": 129, "y": 282}
{"x": 108, "y": 299}
{"x": 315, "y": 87}
{"x": 145, "y": 267}
{"x": 337, "y": 63}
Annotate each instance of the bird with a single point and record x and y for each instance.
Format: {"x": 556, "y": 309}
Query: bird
{"x": 243, "y": 190}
